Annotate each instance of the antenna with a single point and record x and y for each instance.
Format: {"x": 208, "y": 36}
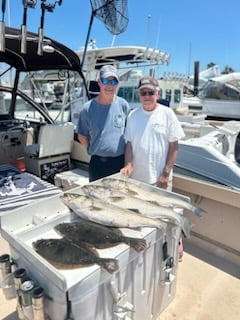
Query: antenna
{"x": 148, "y": 27}
{"x": 158, "y": 33}
{"x": 189, "y": 58}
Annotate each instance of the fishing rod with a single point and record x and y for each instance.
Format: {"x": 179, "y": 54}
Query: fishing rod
{"x": 49, "y": 7}
{"x": 26, "y": 4}
{"x": 2, "y": 27}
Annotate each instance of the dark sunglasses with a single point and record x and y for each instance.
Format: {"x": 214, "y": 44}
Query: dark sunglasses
{"x": 147, "y": 93}
{"x": 113, "y": 82}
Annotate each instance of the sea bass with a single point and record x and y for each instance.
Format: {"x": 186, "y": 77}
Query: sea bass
{"x": 64, "y": 254}
{"x": 107, "y": 214}
{"x": 163, "y": 198}
{"x": 144, "y": 207}
{"x": 98, "y": 235}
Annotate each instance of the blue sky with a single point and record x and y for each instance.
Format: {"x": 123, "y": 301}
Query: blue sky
{"x": 204, "y": 30}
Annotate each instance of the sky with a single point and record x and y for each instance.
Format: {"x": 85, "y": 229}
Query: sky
{"x": 190, "y": 30}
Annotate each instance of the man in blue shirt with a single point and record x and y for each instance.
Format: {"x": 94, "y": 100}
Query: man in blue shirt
{"x": 101, "y": 126}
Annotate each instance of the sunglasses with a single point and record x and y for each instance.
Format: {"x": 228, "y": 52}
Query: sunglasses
{"x": 113, "y": 82}
{"x": 147, "y": 93}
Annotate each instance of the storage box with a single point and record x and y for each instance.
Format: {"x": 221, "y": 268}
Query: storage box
{"x": 144, "y": 285}
{"x": 71, "y": 179}
{"x": 46, "y": 168}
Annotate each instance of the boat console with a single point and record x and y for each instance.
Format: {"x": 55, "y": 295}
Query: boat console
{"x": 14, "y": 136}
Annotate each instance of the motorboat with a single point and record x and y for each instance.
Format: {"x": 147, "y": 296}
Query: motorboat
{"x": 220, "y": 97}
{"x": 211, "y": 151}
{"x": 132, "y": 63}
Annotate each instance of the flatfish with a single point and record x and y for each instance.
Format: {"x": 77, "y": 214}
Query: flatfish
{"x": 163, "y": 198}
{"x": 147, "y": 208}
{"x": 107, "y": 214}
{"x": 98, "y": 235}
{"x": 64, "y": 254}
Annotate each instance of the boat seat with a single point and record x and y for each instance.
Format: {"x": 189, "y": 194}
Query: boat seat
{"x": 51, "y": 153}
{"x": 53, "y": 139}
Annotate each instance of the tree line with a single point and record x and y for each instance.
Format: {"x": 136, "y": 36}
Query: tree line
{"x": 226, "y": 69}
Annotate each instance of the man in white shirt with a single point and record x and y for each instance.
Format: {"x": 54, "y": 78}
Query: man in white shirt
{"x": 151, "y": 137}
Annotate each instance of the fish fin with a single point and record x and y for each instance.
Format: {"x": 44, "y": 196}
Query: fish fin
{"x": 116, "y": 198}
{"x": 137, "y": 244}
{"x": 111, "y": 265}
{"x": 134, "y": 210}
{"x": 198, "y": 211}
{"x": 105, "y": 245}
{"x": 156, "y": 203}
{"x": 186, "y": 227}
{"x": 63, "y": 266}
{"x": 132, "y": 193}
{"x": 97, "y": 208}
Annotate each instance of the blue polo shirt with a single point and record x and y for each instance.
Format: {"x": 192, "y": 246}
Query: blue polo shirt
{"x": 104, "y": 127}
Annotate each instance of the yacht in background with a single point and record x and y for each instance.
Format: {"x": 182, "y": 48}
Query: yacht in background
{"x": 220, "y": 96}
{"x": 178, "y": 89}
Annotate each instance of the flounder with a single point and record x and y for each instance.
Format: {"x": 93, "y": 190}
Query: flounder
{"x": 98, "y": 235}
{"x": 64, "y": 254}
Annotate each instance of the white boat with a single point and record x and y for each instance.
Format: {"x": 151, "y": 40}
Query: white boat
{"x": 221, "y": 97}
{"x": 178, "y": 89}
{"x": 132, "y": 63}
{"x": 30, "y": 140}
{"x": 212, "y": 151}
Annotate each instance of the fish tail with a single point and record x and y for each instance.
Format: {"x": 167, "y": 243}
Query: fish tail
{"x": 198, "y": 211}
{"x": 111, "y": 265}
{"x": 137, "y": 244}
{"x": 186, "y": 227}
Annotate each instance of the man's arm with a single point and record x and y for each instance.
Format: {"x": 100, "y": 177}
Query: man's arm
{"x": 128, "y": 168}
{"x": 171, "y": 159}
{"x": 83, "y": 140}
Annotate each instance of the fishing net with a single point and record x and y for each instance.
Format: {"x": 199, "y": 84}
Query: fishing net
{"x": 113, "y": 13}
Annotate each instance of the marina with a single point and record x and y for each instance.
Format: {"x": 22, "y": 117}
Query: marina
{"x": 41, "y": 160}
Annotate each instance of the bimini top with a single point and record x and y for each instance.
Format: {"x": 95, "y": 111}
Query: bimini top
{"x": 54, "y": 54}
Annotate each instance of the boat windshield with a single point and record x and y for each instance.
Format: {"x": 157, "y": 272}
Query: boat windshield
{"x": 221, "y": 91}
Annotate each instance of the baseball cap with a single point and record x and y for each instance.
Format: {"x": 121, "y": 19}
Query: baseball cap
{"x": 108, "y": 71}
{"x": 148, "y": 82}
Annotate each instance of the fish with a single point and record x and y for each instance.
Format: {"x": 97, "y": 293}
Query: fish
{"x": 144, "y": 207}
{"x": 156, "y": 195}
{"x": 109, "y": 215}
{"x": 64, "y": 254}
{"x": 98, "y": 235}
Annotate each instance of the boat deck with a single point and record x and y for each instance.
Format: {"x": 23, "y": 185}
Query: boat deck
{"x": 206, "y": 289}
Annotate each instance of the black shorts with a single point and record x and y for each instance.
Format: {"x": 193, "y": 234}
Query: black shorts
{"x": 100, "y": 167}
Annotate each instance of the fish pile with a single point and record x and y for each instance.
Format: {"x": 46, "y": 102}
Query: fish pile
{"x": 156, "y": 195}
{"x": 64, "y": 254}
{"x": 104, "y": 207}
{"x": 107, "y": 214}
{"x": 78, "y": 246}
{"x": 146, "y": 208}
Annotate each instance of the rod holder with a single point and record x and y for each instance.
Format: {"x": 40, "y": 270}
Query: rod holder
{"x": 40, "y": 42}
{"x": 23, "y": 39}
{"x": 2, "y": 36}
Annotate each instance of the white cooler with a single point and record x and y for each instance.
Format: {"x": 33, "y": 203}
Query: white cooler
{"x": 144, "y": 285}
